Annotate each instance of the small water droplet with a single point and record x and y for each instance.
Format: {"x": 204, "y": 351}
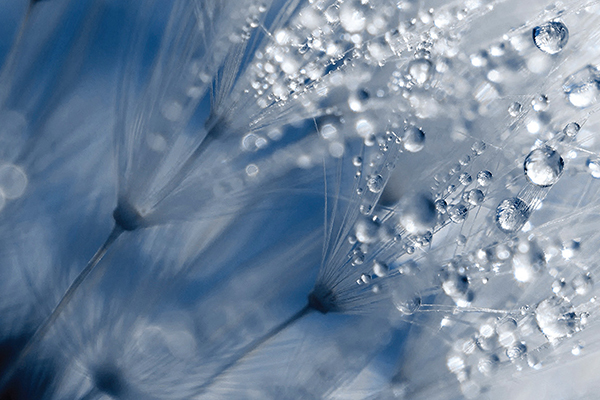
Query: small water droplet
{"x": 511, "y": 214}
{"x": 571, "y": 129}
{"x": 555, "y": 319}
{"x": 540, "y": 103}
{"x": 593, "y": 166}
{"x": 551, "y": 37}
{"x": 543, "y": 166}
{"x": 515, "y": 109}
{"x": 375, "y": 183}
{"x": 484, "y": 178}
{"x": 475, "y": 197}
{"x": 419, "y": 71}
{"x": 465, "y": 178}
{"x": 458, "y": 213}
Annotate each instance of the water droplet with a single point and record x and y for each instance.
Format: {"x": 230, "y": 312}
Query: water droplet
{"x": 551, "y": 37}
{"x": 555, "y": 319}
{"x": 454, "y": 284}
{"x": 571, "y": 129}
{"x": 478, "y": 148}
{"x": 465, "y": 178}
{"x": 540, "y": 103}
{"x": 484, "y": 178}
{"x": 475, "y": 197}
{"x": 515, "y": 109}
{"x": 593, "y": 166}
{"x": 417, "y": 213}
{"x": 407, "y": 305}
{"x": 366, "y": 230}
{"x": 543, "y": 166}
{"x": 583, "y": 87}
{"x": 413, "y": 139}
{"x": 375, "y": 183}
{"x": 380, "y": 269}
{"x": 511, "y": 214}
{"x": 582, "y": 284}
{"x": 366, "y": 279}
{"x": 13, "y": 181}
{"x": 528, "y": 262}
{"x": 488, "y": 365}
{"x": 458, "y": 213}
{"x": 357, "y": 161}
{"x": 517, "y": 351}
{"x": 419, "y": 71}
{"x": 441, "y": 206}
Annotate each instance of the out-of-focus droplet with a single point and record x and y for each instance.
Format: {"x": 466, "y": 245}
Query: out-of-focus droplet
{"x": 593, "y": 166}
{"x": 583, "y": 87}
{"x": 511, "y": 214}
{"x": 13, "y": 181}
{"x": 419, "y": 71}
{"x": 417, "y": 213}
{"x": 551, "y": 37}
{"x": 543, "y": 166}
{"x": 475, "y": 197}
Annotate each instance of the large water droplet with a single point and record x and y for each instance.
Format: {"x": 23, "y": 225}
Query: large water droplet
{"x": 551, "y": 37}
{"x": 511, "y": 214}
{"x": 418, "y": 213}
{"x": 413, "y": 139}
{"x": 555, "y": 319}
{"x": 543, "y": 166}
{"x": 583, "y": 87}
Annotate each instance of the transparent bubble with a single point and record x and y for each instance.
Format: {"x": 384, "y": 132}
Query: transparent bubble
{"x": 484, "y": 178}
{"x": 511, "y": 214}
{"x": 551, "y": 37}
{"x": 413, "y": 139}
{"x": 419, "y": 71}
{"x": 13, "y": 181}
{"x": 417, "y": 213}
{"x": 583, "y": 87}
{"x": 543, "y": 166}
{"x": 375, "y": 183}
